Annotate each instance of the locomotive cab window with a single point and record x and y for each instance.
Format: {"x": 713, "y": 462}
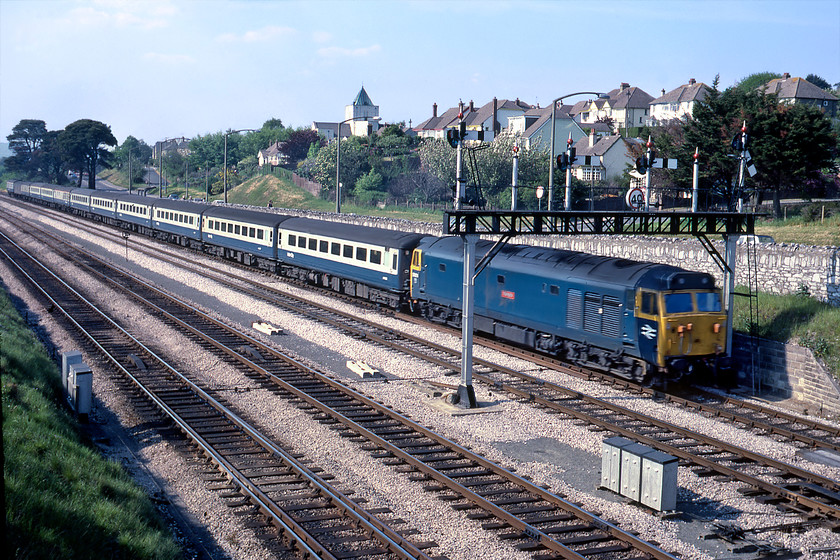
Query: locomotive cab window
{"x": 678, "y": 303}
{"x": 648, "y": 304}
{"x": 709, "y": 302}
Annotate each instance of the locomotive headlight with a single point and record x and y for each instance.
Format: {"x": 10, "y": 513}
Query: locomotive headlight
{"x": 716, "y": 328}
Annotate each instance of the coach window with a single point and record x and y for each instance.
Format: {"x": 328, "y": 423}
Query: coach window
{"x": 313, "y": 244}
{"x": 301, "y": 242}
{"x": 361, "y": 254}
{"x": 335, "y": 249}
{"x": 252, "y": 232}
{"x": 324, "y": 246}
{"x": 259, "y": 234}
{"x": 348, "y": 251}
{"x": 292, "y": 240}
{"x": 236, "y": 229}
{"x": 375, "y": 256}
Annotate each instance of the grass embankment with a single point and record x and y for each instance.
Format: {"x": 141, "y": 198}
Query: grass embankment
{"x": 63, "y": 500}
{"x": 796, "y": 318}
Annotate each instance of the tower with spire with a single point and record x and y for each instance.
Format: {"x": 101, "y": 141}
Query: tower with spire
{"x": 362, "y": 109}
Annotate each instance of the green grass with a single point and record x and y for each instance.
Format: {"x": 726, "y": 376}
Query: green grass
{"x": 63, "y": 500}
{"x": 801, "y": 230}
{"x": 795, "y": 318}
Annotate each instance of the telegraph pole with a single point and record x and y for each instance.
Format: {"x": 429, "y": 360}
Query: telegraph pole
{"x": 514, "y": 178}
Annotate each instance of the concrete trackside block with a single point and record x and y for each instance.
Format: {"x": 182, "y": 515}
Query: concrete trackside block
{"x": 362, "y": 369}
{"x": 266, "y": 328}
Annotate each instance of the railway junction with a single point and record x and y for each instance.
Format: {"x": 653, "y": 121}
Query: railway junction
{"x": 511, "y": 431}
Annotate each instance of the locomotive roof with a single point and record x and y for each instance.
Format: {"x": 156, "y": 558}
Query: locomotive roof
{"x": 243, "y": 215}
{"x": 575, "y": 264}
{"x": 352, "y": 232}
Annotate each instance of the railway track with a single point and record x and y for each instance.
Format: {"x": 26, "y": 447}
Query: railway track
{"x": 791, "y": 488}
{"x": 313, "y": 518}
{"x": 521, "y": 513}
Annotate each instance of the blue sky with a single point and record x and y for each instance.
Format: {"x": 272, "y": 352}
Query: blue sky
{"x": 171, "y": 68}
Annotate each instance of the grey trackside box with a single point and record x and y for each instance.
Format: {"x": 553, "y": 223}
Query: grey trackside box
{"x": 659, "y": 481}
{"x": 631, "y": 470}
{"x": 611, "y": 462}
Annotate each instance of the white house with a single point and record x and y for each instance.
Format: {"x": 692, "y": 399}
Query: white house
{"x": 677, "y": 104}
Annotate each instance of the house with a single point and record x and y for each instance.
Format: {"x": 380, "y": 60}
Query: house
{"x": 799, "y": 90}
{"x": 273, "y": 156}
{"x": 490, "y": 119}
{"x": 602, "y": 158}
{"x": 625, "y": 106}
{"x": 677, "y": 104}
{"x": 534, "y": 127}
{"x": 180, "y": 145}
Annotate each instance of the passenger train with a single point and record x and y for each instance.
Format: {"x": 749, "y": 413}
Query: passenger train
{"x": 633, "y": 319}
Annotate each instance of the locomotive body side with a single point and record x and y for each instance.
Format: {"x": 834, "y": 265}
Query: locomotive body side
{"x": 585, "y": 308}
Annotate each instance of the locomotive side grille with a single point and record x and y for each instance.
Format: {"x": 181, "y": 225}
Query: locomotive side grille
{"x": 592, "y": 312}
{"x": 574, "y": 309}
{"x": 611, "y": 325}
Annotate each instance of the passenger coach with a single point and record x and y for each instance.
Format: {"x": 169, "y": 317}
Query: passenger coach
{"x": 244, "y": 236}
{"x": 371, "y": 263}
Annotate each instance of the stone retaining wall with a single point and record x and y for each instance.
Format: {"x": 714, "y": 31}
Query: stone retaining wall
{"x": 786, "y": 371}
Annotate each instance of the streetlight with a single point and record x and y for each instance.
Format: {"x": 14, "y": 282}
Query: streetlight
{"x": 338, "y": 158}
{"x": 229, "y": 132}
{"x": 551, "y": 150}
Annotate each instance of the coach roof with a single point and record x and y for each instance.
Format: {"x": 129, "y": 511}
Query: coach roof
{"x": 241, "y": 215}
{"x": 352, "y": 232}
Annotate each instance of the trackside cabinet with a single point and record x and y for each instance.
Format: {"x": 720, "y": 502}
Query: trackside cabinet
{"x": 631, "y": 470}
{"x": 611, "y": 462}
{"x": 659, "y": 481}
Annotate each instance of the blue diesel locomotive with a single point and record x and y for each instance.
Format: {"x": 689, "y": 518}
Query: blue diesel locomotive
{"x": 630, "y": 318}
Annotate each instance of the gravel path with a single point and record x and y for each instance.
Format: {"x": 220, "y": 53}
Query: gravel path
{"x": 552, "y": 451}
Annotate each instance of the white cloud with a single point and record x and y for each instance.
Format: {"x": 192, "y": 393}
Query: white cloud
{"x": 321, "y": 36}
{"x": 258, "y": 35}
{"x": 341, "y": 52}
{"x": 171, "y": 59}
{"x": 122, "y": 13}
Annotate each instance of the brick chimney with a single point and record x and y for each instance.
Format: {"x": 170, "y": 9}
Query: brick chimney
{"x": 592, "y": 138}
{"x": 624, "y": 85}
{"x": 434, "y": 110}
{"x": 692, "y": 81}
{"x": 785, "y": 76}
{"x": 472, "y": 106}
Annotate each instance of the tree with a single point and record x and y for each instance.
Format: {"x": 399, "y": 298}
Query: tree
{"x": 791, "y": 145}
{"x": 25, "y": 141}
{"x": 369, "y": 188}
{"x": 133, "y": 154}
{"x": 818, "y": 81}
{"x": 755, "y": 81}
{"x": 81, "y": 144}
{"x": 298, "y": 144}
